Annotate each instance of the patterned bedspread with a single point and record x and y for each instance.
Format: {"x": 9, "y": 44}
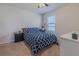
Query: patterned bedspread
{"x": 37, "y": 39}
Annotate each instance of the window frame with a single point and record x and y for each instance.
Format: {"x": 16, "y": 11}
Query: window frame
{"x": 48, "y": 24}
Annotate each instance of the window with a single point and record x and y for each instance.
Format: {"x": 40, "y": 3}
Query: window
{"x": 51, "y": 23}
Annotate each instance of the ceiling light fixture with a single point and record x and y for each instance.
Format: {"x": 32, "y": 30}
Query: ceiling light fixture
{"x": 40, "y": 5}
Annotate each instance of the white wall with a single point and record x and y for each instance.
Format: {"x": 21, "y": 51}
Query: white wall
{"x": 13, "y": 19}
{"x": 67, "y": 18}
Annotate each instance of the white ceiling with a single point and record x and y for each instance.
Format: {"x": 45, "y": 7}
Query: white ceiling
{"x": 33, "y": 7}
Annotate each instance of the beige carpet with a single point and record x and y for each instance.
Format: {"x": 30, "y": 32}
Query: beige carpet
{"x": 20, "y": 49}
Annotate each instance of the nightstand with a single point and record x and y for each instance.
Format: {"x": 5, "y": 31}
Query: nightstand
{"x": 19, "y": 37}
{"x": 68, "y": 45}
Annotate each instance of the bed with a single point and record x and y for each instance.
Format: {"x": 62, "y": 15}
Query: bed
{"x": 38, "y": 40}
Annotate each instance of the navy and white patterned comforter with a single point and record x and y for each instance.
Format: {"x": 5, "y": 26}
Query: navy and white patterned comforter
{"x": 37, "y": 39}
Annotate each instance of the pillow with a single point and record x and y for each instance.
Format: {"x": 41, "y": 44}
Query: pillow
{"x": 31, "y": 30}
